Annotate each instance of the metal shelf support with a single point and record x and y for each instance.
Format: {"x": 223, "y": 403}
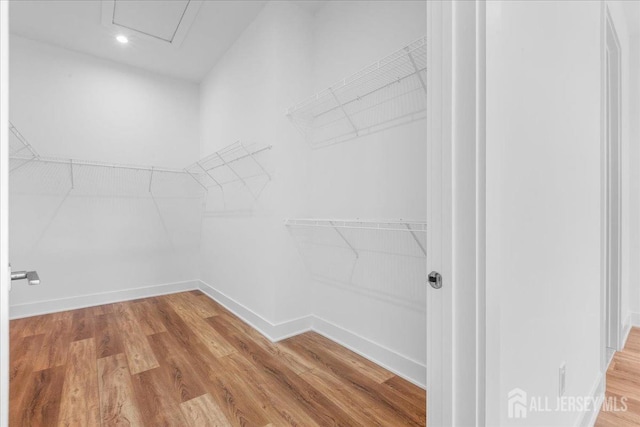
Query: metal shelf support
{"x": 150, "y": 179}
{"x": 413, "y": 234}
{"x": 208, "y": 174}
{"x": 196, "y": 180}
{"x": 71, "y": 172}
{"x": 412, "y": 227}
{"x": 387, "y": 93}
{"x": 225, "y": 159}
{"x": 355, "y": 252}
{"x": 415, "y": 67}
{"x": 344, "y": 111}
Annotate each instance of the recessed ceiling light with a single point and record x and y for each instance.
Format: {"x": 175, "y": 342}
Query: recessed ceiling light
{"x": 122, "y": 39}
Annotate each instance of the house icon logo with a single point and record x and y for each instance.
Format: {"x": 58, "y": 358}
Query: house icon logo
{"x": 517, "y": 403}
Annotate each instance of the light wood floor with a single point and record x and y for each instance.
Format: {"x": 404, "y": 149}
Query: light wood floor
{"x": 623, "y": 380}
{"x": 183, "y": 360}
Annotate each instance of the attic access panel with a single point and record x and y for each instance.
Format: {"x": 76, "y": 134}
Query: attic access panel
{"x": 162, "y": 21}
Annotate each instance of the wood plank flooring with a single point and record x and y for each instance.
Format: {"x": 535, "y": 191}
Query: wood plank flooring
{"x": 184, "y": 360}
{"x": 623, "y": 380}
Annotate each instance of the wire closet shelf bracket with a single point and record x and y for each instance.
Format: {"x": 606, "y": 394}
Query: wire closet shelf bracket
{"x": 236, "y": 162}
{"x": 389, "y": 92}
{"x": 411, "y": 227}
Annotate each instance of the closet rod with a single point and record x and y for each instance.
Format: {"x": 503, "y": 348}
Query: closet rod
{"x": 97, "y": 164}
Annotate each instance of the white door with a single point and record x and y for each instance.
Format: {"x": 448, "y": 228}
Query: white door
{"x": 612, "y": 190}
{"x": 5, "y": 280}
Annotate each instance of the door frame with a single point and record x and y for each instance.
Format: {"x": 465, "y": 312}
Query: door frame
{"x": 456, "y": 313}
{"x": 611, "y": 335}
{"x": 5, "y": 280}
{"x": 439, "y": 336}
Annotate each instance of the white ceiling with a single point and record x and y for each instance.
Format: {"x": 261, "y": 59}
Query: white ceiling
{"x": 165, "y": 16}
{"x": 77, "y": 25}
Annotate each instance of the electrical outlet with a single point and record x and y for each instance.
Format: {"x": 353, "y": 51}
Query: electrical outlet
{"x": 562, "y": 379}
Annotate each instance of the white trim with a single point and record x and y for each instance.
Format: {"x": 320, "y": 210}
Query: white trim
{"x": 90, "y": 300}
{"x": 626, "y": 328}
{"x": 273, "y": 331}
{"x": 614, "y": 326}
{"x": 404, "y": 367}
{"x": 635, "y": 319}
{"x": 411, "y": 370}
{"x": 590, "y": 415}
{"x": 632, "y": 320}
{"x": 5, "y": 281}
{"x": 439, "y": 310}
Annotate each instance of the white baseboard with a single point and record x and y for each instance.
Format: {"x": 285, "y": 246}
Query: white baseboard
{"x": 274, "y": 331}
{"x": 632, "y": 320}
{"x": 90, "y": 300}
{"x": 626, "y": 328}
{"x": 588, "y": 418}
{"x": 400, "y": 365}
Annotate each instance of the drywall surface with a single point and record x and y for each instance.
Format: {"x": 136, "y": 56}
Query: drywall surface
{"x": 282, "y": 274}
{"x": 380, "y": 295}
{"x": 623, "y": 15}
{"x": 74, "y": 105}
{"x": 543, "y": 204}
{"x": 89, "y": 232}
{"x": 107, "y": 230}
{"x": 247, "y": 253}
{"x": 632, "y": 158}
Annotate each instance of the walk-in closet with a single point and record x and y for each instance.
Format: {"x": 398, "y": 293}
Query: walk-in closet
{"x": 218, "y": 212}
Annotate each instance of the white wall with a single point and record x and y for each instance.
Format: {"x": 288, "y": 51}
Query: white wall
{"x": 633, "y": 180}
{"x": 543, "y": 203}
{"x": 380, "y": 296}
{"x": 108, "y": 233}
{"x": 75, "y": 105}
{"x": 105, "y": 236}
{"x": 626, "y": 19}
{"x": 247, "y": 254}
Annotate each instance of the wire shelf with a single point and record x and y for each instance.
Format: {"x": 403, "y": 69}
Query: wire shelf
{"x": 383, "y": 259}
{"x": 389, "y": 92}
{"x": 236, "y": 163}
{"x": 398, "y": 225}
{"x": 18, "y": 144}
{"x": 20, "y": 147}
{"x": 411, "y": 227}
{"x": 46, "y": 175}
{"x": 35, "y": 174}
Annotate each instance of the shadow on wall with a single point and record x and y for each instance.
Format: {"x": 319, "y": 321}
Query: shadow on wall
{"x": 387, "y": 265}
